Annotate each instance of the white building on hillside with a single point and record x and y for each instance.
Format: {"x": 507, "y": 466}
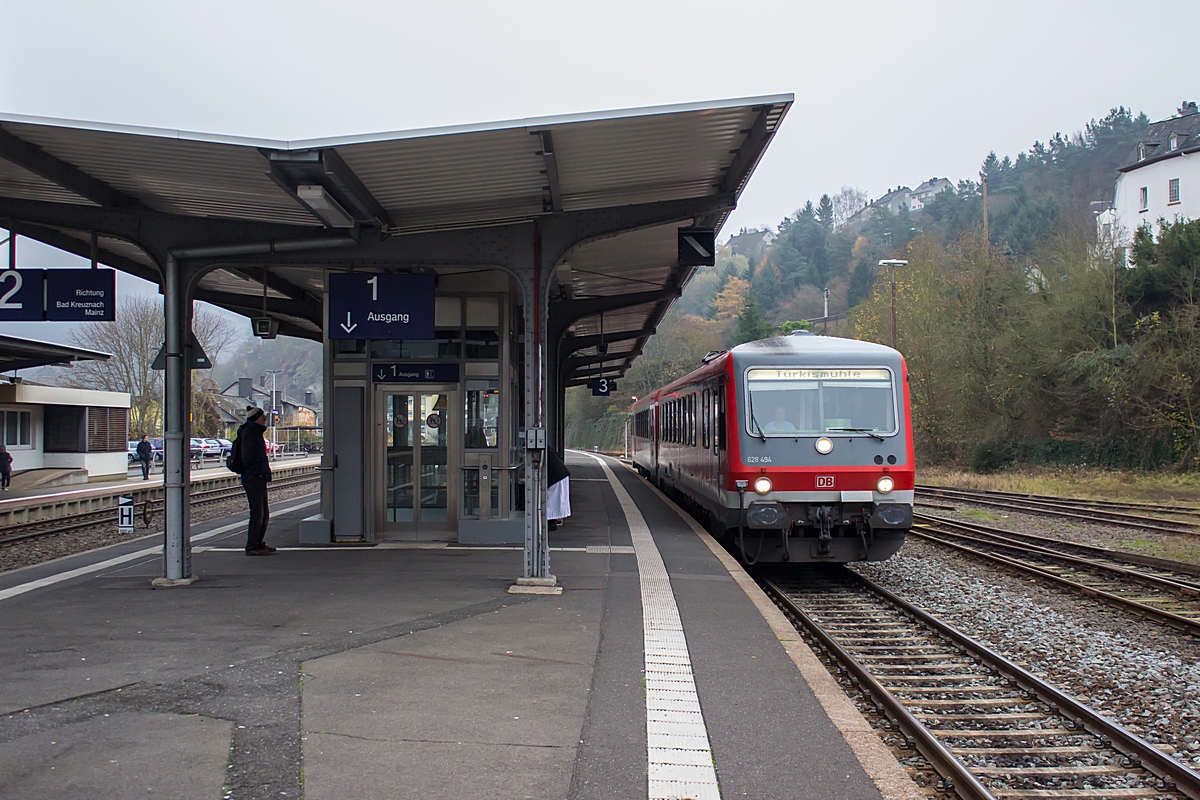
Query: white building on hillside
{"x": 926, "y": 191}
{"x": 1161, "y": 180}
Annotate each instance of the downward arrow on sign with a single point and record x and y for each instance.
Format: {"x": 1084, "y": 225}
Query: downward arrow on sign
{"x": 346, "y": 326}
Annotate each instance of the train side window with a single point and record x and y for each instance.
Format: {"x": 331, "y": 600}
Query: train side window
{"x": 694, "y": 402}
{"x": 704, "y": 418}
{"x": 719, "y": 439}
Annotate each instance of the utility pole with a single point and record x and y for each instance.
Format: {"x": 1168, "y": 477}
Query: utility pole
{"x": 274, "y": 407}
{"x": 986, "y": 239}
{"x": 893, "y": 263}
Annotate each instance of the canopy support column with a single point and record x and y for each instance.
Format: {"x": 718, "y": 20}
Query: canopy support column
{"x": 177, "y": 550}
{"x": 536, "y": 577}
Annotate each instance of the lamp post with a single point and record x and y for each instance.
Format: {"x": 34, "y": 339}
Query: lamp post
{"x": 893, "y": 263}
{"x": 275, "y": 397}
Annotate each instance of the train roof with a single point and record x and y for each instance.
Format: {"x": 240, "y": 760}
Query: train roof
{"x": 803, "y": 343}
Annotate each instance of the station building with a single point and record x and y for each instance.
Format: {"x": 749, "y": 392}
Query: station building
{"x": 60, "y": 435}
{"x": 554, "y": 247}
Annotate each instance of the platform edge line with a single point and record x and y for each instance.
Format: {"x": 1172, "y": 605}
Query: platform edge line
{"x": 888, "y": 774}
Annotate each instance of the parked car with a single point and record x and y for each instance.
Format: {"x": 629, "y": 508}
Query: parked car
{"x": 159, "y": 447}
{"x": 217, "y": 447}
{"x": 226, "y": 447}
{"x": 131, "y": 453}
{"x": 197, "y": 449}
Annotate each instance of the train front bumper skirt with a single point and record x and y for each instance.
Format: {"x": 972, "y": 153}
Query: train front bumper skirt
{"x": 771, "y": 515}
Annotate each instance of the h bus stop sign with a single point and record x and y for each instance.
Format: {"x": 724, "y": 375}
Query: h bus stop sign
{"x": 125, "y": 514}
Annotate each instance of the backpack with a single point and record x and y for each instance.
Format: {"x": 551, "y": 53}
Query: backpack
{"x": 233, "y": 461}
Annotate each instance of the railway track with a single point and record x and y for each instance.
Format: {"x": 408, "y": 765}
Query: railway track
{"x": 985, "y": 726}
{"x": 1156, "y": 588}
{"x": 90, "y": 519}
{"x": 1062, "y": 507}
{"x": 1078, "y": 502}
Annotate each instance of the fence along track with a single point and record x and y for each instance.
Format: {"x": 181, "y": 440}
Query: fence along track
{"x": 989, "y": 728}
{"x": 1063, "y": 509}
{"x": 1079, "y": 502}
{"x": 91, "y": 519}
{"x": 1161, "y": 594}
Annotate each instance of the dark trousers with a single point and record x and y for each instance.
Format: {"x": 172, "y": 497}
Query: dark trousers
{"x": 256, "y": 495}
{"x": 5, "y": 479}
{"x": 145, "y": 469}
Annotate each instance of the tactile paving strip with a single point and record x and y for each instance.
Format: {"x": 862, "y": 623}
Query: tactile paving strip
{"x": 679, "y": 754}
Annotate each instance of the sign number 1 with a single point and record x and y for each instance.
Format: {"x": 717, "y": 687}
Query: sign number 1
{"x": 374, "y": 287}
{"x": 17, "y": 281}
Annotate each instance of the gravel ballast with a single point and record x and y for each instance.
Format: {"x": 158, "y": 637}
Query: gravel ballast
{"x": 1140, "y": 674}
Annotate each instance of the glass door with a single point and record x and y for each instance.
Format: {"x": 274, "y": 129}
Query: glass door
{"x": 418, "y": 448}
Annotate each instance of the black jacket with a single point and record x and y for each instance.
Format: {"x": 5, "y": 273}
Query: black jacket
{"x": 145, "y": 451}
{"x": 255, "y": 463}
{"x": 6, "y": 460}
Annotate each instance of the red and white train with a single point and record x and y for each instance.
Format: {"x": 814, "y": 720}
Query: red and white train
{"x": 797, "y": 448}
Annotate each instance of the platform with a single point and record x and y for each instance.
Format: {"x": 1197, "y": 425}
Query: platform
{"x": 409, "y": 671}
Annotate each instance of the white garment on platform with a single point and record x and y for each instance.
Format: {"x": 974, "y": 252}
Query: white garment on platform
{"x": 558, "y": 500}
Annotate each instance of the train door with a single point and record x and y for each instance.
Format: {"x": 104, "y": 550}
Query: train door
{"x": 420, "y": 449}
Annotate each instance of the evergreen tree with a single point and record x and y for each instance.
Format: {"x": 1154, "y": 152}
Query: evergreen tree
{"x": 825, "y": 214}
{"x": 751, "y": 325}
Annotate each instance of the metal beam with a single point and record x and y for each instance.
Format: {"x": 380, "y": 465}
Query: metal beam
{"x": 60, "y": 240}
{"x": 551, "y": 173}
{"x": 574, "y": 362}
{"x": 747, "y": 155}
{"x": 311, "y": 310}
{"x": 571, "y": 344}
{"x": 68, "y": 176}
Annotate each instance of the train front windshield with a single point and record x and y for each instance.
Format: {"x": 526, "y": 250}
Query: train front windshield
{"x": 792, "y": 402}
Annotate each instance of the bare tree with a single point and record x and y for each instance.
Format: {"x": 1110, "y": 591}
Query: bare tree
{"x": 846, "y": 203}
{"x": 214, "y": 331}
{"x": 133, "y": 340}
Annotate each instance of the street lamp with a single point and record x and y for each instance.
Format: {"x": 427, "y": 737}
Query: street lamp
{"x": 893, "y": 263}
{"x": 275, "y": 397}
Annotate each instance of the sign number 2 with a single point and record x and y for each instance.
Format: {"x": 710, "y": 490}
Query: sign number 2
{"x": 17, "y": 280}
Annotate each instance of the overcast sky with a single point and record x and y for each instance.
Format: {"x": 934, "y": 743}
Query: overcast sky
{"x": 886, "y": 93}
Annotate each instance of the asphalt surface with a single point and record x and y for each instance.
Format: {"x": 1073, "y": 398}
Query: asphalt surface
{"x": 373, "y": 672}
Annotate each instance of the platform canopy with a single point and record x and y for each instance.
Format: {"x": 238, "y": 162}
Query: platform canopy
{"x": 17, "y": 353}
{"x": 125, "y": 195}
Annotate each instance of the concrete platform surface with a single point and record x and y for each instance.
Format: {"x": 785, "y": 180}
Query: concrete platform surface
{"x": 411, "y": 672}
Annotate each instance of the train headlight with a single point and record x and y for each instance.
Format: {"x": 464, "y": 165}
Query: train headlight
{"x": 885, "y": 484}
{"x": 762, "y": 484}
{"x": 824, "y": 445}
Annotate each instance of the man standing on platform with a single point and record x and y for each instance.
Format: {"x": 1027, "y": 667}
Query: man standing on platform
{"x": 256, "y": 473}
{"x": 145, "y": 454}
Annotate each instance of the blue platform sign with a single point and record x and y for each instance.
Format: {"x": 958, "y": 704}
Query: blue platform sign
{"x": 21, "y": 292}
{"x": 81, "y": 295}
{"x": 414, "y": 373}
{"x": 365, "y": 305}
{"x": 602, "y": 387}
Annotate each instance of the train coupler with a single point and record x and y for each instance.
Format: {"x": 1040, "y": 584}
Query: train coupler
{"x": 824, "y": 517}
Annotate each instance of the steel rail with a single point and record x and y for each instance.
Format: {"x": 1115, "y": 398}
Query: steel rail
{"x": 1082, "y": 502}
{"x": 1108, "y": 518}
{"x": 1123, "y": 556}
{"x": 1183, "y": 587}
{"x": 1186, "y": 624}
{"x": 102, "y": 516}
{"x": 1122, "y": 740}
{"x": 943, "y": 761}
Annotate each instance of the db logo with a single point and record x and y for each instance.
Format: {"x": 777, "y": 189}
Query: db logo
{"x": 824, "y": 481}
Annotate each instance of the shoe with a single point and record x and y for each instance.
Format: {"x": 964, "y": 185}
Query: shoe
{"x": 261, "y": 551}
{"x": 268, "y": 548}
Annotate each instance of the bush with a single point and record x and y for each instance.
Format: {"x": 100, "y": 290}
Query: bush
{"x": 989, "y": 457}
